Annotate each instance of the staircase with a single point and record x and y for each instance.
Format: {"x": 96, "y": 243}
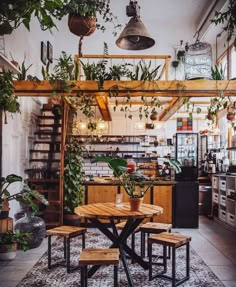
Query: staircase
{"x": 44, "y": 171}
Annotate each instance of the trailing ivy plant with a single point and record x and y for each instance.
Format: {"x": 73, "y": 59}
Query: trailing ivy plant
{"x": 228, "y": 18}
{"x": 8, "y": 101}
{"x": 73, "y": 177}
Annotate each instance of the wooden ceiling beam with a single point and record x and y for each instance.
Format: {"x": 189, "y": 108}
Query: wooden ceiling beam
{"x": 102, "y": 103}
{"x": 173, "y": 107}
{"x": 200, "y": 88}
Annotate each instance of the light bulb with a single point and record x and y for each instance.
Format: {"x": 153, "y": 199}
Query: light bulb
{"x": 133, "y": 39}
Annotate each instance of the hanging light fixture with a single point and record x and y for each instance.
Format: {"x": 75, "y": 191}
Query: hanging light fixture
{"x": 135, "y": 35}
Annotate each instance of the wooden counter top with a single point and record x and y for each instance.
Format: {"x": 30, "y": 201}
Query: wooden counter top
{"x": 114, "y": 182}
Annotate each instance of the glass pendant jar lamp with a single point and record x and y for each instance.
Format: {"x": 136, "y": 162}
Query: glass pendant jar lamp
{"x": 198, "y": 60}
{"x": 135, "y": 35}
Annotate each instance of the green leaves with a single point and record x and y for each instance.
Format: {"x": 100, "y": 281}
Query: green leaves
{"x": 73, "y": 177}
{"x": 8, "y": 101}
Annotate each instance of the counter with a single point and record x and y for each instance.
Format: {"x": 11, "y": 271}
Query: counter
{"x": 105, "y": 190}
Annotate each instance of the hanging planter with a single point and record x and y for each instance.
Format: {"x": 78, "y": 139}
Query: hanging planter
{"x": 81, "y": 25}
{"x": 230, "y": 116}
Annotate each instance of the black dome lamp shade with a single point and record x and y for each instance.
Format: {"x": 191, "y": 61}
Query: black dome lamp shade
{"x": 135, "y": 35}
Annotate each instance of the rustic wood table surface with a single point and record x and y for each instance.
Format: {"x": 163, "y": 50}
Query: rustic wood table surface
{"x": 99, "y": 211}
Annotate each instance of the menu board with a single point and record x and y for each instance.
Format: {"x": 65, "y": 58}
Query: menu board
{"x": 184, "y": 124}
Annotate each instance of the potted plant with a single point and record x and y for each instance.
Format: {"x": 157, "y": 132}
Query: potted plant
{"x": 8, "y": 101}
{"x": 10, "y": 241}
{"x": 73, "y": 179}
{"x": 134, "y": 183}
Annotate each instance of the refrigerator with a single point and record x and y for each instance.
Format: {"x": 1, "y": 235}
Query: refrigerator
{"x": 186, "y": 195}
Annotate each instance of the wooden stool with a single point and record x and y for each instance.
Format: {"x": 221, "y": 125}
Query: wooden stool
{"x": 99, "y": 256}
{"x": 152, "y": 228}
{"x": 174, "y": 241}
{"x": 67, "y": 232}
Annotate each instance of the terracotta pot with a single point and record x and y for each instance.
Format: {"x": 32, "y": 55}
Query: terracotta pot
{"x": 135, "y": 203}
{"x": 8, "y": 252}
{"x": 81, "y": 25}
{"x": 210, "y": 117}
{"x": 153, "y": 116}
{"x": 71, "y": 219}
{"x": 4, "y": 213}
{"x": 230, "y": 116}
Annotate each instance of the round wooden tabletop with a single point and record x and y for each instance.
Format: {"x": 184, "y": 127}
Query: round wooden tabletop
{"x": 109, "y": 210}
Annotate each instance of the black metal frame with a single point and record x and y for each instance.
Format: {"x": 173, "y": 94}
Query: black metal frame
{"x": 84, "y": 276}
{"x": 173, "y": 279}
{"x": 66, "y": 261}
{"x": 119, "y": 241}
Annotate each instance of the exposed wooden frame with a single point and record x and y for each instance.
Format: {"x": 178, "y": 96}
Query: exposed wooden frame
{"x": 200, "y": 88}
{"x": 102, "y": 103}
{"x": 173, "y": 107}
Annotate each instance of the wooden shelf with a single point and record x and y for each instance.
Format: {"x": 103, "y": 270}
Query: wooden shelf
{"x": 231, "y": 148}
{"x": 43, "y": 180}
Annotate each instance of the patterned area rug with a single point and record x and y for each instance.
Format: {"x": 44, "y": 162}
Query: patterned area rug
{"x": 39, "y": 275}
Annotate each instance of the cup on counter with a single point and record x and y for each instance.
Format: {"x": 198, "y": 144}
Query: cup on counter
{"x": 118, "y": 200}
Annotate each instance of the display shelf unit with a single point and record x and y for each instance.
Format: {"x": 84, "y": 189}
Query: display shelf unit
{"x": 224, "y": 198}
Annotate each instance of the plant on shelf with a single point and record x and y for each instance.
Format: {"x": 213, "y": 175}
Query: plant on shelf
{"x": 73, "y": 177}
{"x": 11, "y": 241}
{"x": 26, "y": 196}
{"x": 134, "y": 183}
{"x": 8, "y": 101}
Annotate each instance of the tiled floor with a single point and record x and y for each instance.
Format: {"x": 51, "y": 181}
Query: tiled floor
{"x": 214, "y": 244}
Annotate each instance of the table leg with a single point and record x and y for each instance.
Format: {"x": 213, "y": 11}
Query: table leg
{"x": 119, "y": 241}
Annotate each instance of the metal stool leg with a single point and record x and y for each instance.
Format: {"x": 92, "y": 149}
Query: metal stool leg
{"x": 49, "y": 252}
{"x": 142, "y": 244}
{"x": 68, "y": 255}
{"x": 150, "y": 260}
{"x": 82, "y": 276}
{"x": 83, "y": 240}
{"x": 115, "y": 276}
{"x": 64, "y": 248}
{"x": 173, "y": 267}
{"x": 188, "y": 260}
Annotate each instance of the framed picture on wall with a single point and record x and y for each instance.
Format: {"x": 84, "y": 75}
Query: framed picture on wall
{"x": 43, "y": 53}
{"x": 49, "y": 52}
{"x": 184, "y": 124}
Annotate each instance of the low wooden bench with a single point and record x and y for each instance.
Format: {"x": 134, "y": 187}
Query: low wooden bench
{"x": 67, "y": 232}
{"x": 99, "y": 256}
{"x": 174, "y": 241}
{"x": 152, "y": 228}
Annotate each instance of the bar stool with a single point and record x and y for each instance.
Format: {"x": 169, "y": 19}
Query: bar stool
{"x": 174, "y": 241}
{"x": 99, "y": 256}
{"x": 152, "y": 228}
{"x": 67, "y": 232}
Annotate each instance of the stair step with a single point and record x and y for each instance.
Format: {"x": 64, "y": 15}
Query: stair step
{"x": 43, "y": 180}
{"x": 42, "y": 117}
{"x": 47, "y": 133}
{"x": 47, "y": 191}
{"x": 44, "y": 160}
{"x": 48, "y": 125}
{"x": 43, "y": 151}
{"x": 46, "y": 142}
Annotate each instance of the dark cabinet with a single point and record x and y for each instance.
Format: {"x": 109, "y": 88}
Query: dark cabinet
{"x": 185, "y": 205}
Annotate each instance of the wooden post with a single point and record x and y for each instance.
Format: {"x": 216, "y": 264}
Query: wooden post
{"x": 6, "y": 224}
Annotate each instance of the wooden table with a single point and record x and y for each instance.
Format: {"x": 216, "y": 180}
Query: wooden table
{"x": 98, "y": 211}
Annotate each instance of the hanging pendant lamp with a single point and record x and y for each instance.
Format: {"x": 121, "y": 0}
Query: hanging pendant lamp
{"x": 135, "y": 35}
